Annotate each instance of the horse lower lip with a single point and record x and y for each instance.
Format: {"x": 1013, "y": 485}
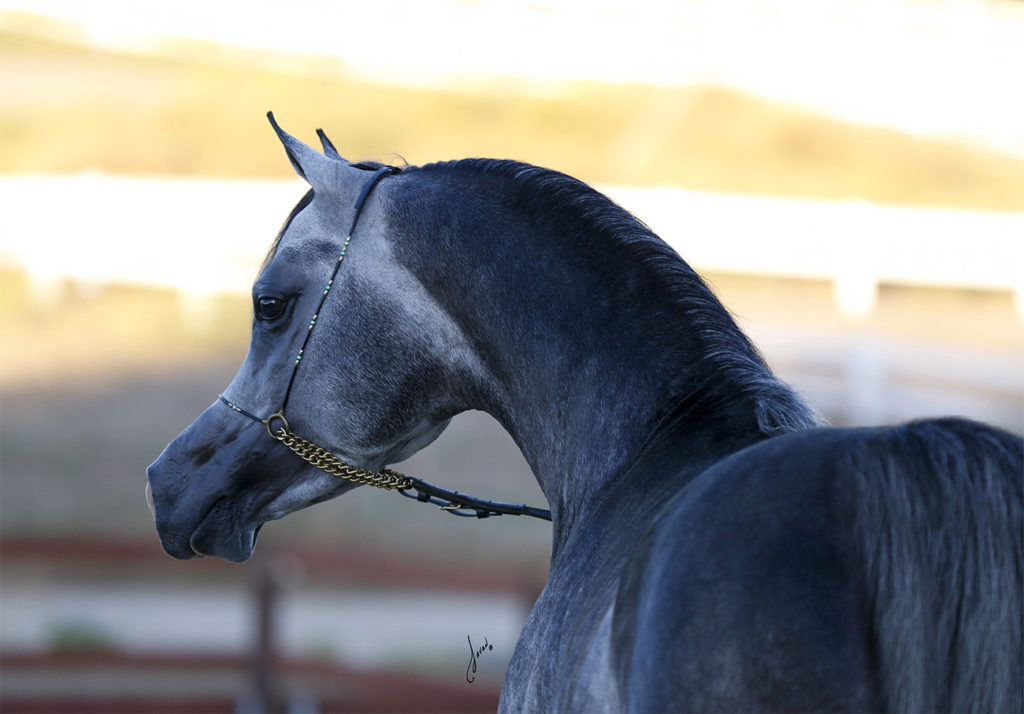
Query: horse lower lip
{"x": 220, "y": 536}
{"x": 197, "y": 544}
{"x": 185, "y": 552}
{"x": 198, "y": 532}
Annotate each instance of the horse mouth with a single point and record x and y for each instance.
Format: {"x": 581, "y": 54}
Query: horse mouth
{"x": 219, "y": 534}
{"x": 239, "y": 549}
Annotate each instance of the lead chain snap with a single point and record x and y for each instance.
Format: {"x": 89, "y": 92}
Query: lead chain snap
{"x": 283, "y": 432}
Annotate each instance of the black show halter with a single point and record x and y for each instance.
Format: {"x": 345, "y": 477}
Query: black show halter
{"x": 453, "y": 502}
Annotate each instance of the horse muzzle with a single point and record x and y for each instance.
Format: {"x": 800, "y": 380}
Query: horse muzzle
{"x": 197, "y": 492}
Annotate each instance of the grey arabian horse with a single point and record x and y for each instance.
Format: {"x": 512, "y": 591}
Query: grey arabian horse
{"x": 714, "y": 548}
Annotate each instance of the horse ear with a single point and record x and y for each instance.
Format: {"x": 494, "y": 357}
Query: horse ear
{"x": 329, "y": 149}
{"x": 309, "y": 163}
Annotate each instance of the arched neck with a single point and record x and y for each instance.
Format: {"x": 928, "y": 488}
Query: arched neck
{"x": 593, "y": 336}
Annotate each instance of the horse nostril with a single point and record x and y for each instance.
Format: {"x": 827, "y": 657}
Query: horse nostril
{"x": 149, "y": 499}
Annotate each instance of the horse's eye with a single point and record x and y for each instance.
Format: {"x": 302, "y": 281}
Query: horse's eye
{"x": 269, "y": 307}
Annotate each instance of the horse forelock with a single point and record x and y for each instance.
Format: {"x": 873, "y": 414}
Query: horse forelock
{"x": 726, "y": 351}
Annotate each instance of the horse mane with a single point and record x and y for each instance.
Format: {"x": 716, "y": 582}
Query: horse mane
{"x": 737, "y": 369}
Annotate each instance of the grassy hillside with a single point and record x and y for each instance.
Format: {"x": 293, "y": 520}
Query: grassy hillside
{"x": 69, "y": 107}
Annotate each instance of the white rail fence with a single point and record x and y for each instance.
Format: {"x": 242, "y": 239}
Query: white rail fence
{"x": 206, "y": 237}
{"x": 855, "y": 245}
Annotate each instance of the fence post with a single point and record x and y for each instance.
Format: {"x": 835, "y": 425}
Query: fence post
{"x": 265, "y": 694}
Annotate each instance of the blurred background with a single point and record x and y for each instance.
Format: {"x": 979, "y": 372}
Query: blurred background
{"x": 848, "y": 174}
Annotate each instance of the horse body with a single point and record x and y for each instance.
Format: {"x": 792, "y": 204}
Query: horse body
{"x": 693, "y": 614}
{"x": 712, "y": 548}
{"x": 772, "y": 581}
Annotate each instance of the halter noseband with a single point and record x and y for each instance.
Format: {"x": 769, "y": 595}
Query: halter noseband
{"x": 453, "y": 502}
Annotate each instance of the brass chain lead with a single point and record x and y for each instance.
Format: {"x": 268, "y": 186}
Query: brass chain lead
{"x": 323, "y": 459}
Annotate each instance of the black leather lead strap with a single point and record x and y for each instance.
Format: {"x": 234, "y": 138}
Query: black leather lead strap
{"x": 466, "y": 506}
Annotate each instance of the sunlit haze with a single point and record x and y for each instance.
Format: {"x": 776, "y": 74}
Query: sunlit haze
{"x": 931, "y": 66}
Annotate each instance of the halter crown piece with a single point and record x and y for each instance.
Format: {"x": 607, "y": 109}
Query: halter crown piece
{"x": 458, "y": 504}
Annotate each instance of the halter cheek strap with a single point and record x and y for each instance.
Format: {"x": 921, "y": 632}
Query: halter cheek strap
{"x": 363, "y": 195}
{"x": 278, "y": 428}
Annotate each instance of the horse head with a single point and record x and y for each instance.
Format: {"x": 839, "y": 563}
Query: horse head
{"x": 373, "y": 383}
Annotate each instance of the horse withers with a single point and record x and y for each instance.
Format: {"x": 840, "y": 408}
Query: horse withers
{"x": 714, "y": 547}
